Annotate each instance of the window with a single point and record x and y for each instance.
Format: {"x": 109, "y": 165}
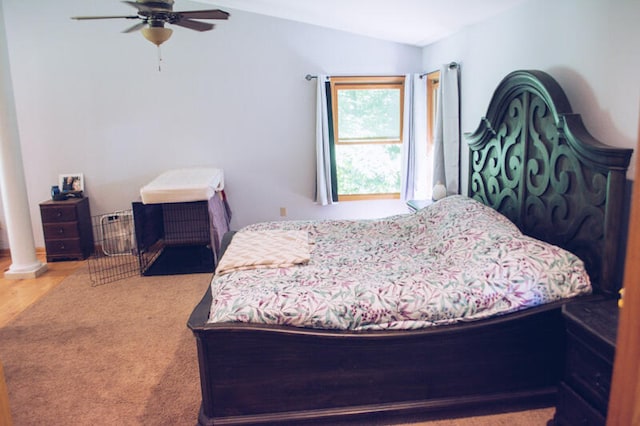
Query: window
{"x": 367, "y": 127}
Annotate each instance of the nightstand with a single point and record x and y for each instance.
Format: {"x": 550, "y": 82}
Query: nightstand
{"x": 415, "y": 205}
{"x": 67, "y": 229}
{"x": 583, "y": 395}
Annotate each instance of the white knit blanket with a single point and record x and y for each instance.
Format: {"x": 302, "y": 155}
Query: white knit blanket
{"x": 265, "y": 249}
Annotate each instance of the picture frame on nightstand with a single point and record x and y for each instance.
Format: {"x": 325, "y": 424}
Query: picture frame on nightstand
{"x": 71, "y": 182}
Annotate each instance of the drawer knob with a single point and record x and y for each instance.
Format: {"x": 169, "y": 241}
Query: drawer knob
{"x": 60, "y": 231}
{"x": 59, "y": 213}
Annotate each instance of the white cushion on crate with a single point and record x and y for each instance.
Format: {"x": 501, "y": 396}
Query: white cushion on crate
{"x": 183, "y": 185}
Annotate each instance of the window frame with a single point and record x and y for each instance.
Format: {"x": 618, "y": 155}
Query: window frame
{"x": 364, "y": 83}
{"x": 433, "y": 84}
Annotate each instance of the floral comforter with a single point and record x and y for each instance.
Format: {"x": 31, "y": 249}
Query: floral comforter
{"x": 456, "y": 260}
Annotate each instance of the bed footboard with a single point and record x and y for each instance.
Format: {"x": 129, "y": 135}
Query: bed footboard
{"x": 258, "y": 374}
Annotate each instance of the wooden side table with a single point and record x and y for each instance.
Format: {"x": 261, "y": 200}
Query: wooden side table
{"x": 583, "y": 396}
{"x": 67, "y": 229}
{"x": 415, "y": 205}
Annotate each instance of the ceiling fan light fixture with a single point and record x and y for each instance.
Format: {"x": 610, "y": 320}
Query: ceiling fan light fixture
{"x": 156, "y": 35}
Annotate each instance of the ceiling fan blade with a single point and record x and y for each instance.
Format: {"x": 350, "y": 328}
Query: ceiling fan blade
{"x": 205, "y": 14}
{"x": 136, "y": 27}
{"x": 103, "y": 17}
{"x": 194, "y": 25}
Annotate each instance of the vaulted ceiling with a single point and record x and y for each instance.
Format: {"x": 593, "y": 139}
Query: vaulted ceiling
{"x": 415, "y": 22}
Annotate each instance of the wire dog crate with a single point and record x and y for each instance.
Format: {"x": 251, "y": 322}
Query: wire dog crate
{"x": 115, "y": 254}
{"x": 173, "y": 238}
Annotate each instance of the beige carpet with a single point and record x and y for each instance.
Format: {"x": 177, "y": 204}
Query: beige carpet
{"x": 121, "y": 354}
{"x": 116, "y": 354}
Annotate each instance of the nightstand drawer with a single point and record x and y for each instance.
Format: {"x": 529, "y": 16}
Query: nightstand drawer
{"x": 588, "y": 373}
{"x": 576, "y": 411}
{"x": 60, "y": 230}
{"x": 59, "y": 214}
{"x": 67, "y": 247}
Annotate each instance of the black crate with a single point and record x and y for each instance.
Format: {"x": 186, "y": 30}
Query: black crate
{"x": 173, "y": 238}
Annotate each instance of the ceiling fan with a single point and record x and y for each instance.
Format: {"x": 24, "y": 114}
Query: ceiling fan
{"x": 154, "y": 14}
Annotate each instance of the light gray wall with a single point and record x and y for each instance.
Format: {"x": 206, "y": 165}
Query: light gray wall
{"x": 591, "y": 47}
{"x": 90, "y": 99}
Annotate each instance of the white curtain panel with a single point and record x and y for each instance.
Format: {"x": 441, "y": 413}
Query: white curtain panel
{"x": 324, "y": 195}
{"x": 407, "y": 180}
{"x": 446, "y": 149}
{"x": 415, "y": 156}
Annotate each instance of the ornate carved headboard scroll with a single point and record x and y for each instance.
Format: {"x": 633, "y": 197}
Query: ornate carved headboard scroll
{"x": 532, "y": 159}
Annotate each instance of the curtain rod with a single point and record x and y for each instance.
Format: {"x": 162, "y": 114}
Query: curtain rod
{"x": 452, "y": 65}
{"x": 310, "y": 77}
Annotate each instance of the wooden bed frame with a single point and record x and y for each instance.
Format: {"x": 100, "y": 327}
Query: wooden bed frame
{"x": 531, "y": 159}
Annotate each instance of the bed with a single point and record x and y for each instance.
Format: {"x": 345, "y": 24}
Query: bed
{"x": 531, "y": 160}
{"x": 180, "y": 221}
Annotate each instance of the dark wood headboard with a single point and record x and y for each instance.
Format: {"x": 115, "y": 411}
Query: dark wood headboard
{"x": 533, "y": 160}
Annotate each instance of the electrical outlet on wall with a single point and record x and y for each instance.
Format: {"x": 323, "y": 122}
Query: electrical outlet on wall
{"x": 283, "y": 212}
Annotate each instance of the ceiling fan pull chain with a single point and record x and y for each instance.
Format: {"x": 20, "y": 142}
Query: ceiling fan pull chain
{"x": 159, "y": 59}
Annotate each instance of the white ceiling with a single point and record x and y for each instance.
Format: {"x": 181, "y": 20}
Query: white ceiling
{"x": 415, "y": 22}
